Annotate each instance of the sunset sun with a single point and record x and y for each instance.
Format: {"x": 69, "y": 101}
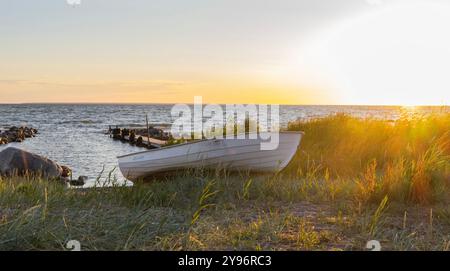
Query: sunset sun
{"x": 397, "y": 55}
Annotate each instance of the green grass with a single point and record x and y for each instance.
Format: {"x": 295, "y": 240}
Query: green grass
{"x": 351, "y": 181}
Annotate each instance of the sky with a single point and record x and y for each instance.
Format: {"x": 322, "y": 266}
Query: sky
{"x": 386, "y": 52}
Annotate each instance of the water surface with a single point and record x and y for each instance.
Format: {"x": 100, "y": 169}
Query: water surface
{"x": 73, "y": 135}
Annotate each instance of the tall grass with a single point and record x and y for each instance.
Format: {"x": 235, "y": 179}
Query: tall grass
{"x": 333, "y": 195}
{"x": 408, "y": 159}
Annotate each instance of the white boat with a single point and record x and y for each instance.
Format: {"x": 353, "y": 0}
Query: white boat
{"x": 232, "y": 154}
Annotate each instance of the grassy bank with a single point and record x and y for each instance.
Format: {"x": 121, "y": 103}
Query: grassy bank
{"x": 351, "y": 181}
{"x": 407, "y": 160}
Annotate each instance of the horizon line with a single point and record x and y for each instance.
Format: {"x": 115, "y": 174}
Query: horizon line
{"x": 150, "y": 103}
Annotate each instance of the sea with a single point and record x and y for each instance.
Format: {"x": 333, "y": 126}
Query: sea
{"x": 75, "y": 134}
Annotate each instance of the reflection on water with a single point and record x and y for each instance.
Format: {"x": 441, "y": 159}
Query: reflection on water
{"x": 73, "y": 135}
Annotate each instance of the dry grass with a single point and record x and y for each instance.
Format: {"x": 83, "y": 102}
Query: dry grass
{"x": 409, "y": 160}
{"x": 351, "y": 181}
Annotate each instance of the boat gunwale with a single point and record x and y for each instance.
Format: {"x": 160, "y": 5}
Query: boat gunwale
{"x": 197, "y": 141}
{"x": 183, "y": 155}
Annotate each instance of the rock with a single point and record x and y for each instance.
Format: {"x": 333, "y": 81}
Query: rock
{"x": 3, "y": 140}
{"x": 16, "y": 161}
{"x": 28, "y": 132}
{"x": 132, "y": 137}
{"x": 154, "y": 133}
{"x": 125, "y": 132}
{"x": 81, "y": 181}
{"x": 116, "y": 133}
{"x": 16, "y": 134}
{"x": 139, "y": 141}
{"x": 66, "y": 172}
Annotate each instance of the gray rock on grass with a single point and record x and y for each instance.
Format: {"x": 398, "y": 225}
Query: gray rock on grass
{"x": 16, "y": 161}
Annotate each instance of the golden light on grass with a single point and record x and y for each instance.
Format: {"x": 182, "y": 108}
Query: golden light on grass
{"x": 409, "y": 160}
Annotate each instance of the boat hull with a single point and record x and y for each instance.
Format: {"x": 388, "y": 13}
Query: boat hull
{"x": 232, "y": 154}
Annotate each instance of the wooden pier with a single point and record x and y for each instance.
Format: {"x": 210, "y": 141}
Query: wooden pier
{"x": 150, "y": 138}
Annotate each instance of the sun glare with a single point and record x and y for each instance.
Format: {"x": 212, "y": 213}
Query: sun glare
{"x": 396, "y": 54}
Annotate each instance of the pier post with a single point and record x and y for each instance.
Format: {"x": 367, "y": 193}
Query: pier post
{"x": 148, "y": 129}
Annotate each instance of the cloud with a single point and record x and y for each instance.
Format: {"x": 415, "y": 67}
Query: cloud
{"x": 42, "y": 90}
{"x": 12, "y": 81}
{"x": 125, "y": 84}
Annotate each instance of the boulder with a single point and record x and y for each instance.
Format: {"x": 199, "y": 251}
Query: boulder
{"x": 80, "y": 181}
{"x": 16, "y": 161}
